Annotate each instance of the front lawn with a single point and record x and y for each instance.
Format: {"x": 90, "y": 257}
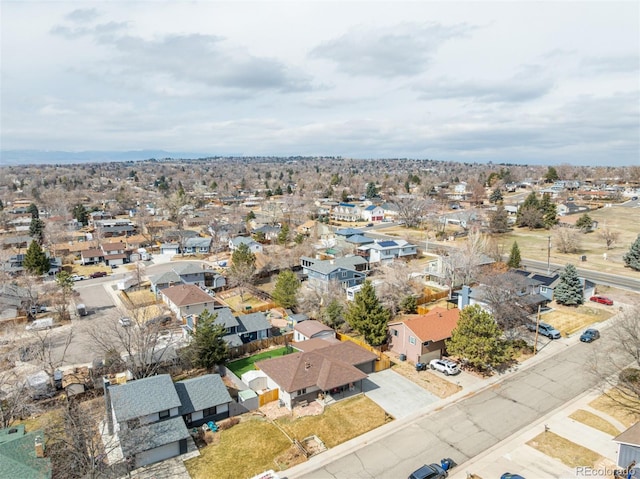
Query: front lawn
{"x": 243, "y": 451}
{"x": 569, "y": 320}
{"x": 567, "y": 452}
{"x": 340, "y": 422}
{"x": 241, "y": 366}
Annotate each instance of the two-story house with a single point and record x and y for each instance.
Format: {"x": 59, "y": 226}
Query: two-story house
{"x": 186, "y": 299}
{"x": 254, "y": 246}
{"x": 346, "y": 212}
{"x": 373, "y": 213}
{"x": 347, "y": 271}
{"x": 387, "y": 251}
{"x": 114, "y": 253}
{"x": 421, "y": 337}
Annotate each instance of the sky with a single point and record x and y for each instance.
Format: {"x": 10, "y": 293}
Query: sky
{"x": 554, "y": 82}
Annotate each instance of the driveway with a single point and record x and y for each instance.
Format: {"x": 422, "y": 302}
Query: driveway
{"x": 395, "y": 394}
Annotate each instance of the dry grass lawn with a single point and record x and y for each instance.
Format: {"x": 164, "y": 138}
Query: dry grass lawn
{"x": 595, "y": 421}
{"x": 567, "y": 452}
{"x": 569, "y": 320}
{"x": 87, "y": 270}
{"x": 236, "y": 303}
{"x": 432, "y": 382}
{"x": 242, "y": 452}
{"x": 608, "y": 405}
{"x": 141, "y": 298}
{"x": 340, "y": 422}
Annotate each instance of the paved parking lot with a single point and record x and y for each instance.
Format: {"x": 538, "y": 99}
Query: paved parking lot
{"x": 396, "y": 394}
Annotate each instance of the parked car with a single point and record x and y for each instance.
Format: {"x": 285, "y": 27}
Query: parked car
{"x": 40, "y": 324}
{"x": 77, "y": 277}
{"x": 601, "y": 300}
{"x": 37, "y": 309}
{"x": 545, "y": 330}
{"x": 429, "y": 471}
{"x": 125, "y": 322}
{"x": 98, "y": 274}
{"x": 508, "y": 475}
{"x": 445, "y": 366}
{"x": 421, "y": 366}
{"x": 369, "y": 225}
{"x": 589, "y": 335}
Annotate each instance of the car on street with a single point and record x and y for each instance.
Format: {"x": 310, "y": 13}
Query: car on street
{"x": 545, "y": 330}
{"x": 77, "y": 277}
{"x": 601, "y": 300}
{"x": 429, "y": 471}
{"x": 446, "y": 366}
{"x": 508, "y": 475}
{"x": 589, "y": 335}
{"x": 125, "y": 322}
{"x": 98, "y": 274}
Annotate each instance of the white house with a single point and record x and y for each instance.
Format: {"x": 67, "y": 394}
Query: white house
{"x": 373, "y": 213}
{"x": 254, "y": 246}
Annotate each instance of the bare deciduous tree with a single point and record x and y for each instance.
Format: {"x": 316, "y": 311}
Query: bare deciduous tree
{"x": 610, "y": 237}
{"x": 50, "y": 348}
{"x": 398, "y": 284}
{"x": 503, "y": 294}
{"x": 411, "y": 210}
{"x": 567, "y": 240}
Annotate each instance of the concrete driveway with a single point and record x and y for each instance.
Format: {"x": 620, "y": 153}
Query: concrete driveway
{"x": 396, "y": 394}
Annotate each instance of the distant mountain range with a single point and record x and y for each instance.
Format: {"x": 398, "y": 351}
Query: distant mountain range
{"x": 35, "y": 157}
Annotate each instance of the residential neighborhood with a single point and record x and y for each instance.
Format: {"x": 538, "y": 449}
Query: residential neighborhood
{"x": 184, "y": 323}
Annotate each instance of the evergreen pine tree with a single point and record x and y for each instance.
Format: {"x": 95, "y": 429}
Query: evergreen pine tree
{"x": 632, "y": 258}
{"x": 477, "y": 339}
{"x": 286, "y": 289}
{"x": 514, "y": 257}
{"x": 33, "y": 211}
{"x": 36, "y": 261}
{"x": 499, "y": 220}
{"x": 584, "y": 223}
{"x": 366, "y": 315}
{"x": 208, "y": 346}
{"x": 569, "y": 290}
{"x": 529, "y": 212}
{"x": 496, "y": 196}
{"x": 549, "y": 211}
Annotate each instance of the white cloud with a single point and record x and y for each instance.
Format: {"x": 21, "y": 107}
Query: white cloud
{"x": 544, "y": 82}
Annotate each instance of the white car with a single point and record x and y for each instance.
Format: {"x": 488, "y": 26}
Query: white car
{"x": 446, "y": 366}
{"x": 77, "y": 277}
{"x": 125, "y": 322}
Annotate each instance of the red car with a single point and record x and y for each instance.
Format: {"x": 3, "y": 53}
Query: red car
{"x": 601, "y": 300}
{"x": 98, "y": 274}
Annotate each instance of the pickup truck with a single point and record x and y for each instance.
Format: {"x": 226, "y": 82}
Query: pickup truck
{"x": 545, "y": 330}
{"x": 98, "y": 274}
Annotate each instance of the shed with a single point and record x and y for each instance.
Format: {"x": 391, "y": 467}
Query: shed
{"x": 256, "y": 380}
{"x": 248, "y": 399}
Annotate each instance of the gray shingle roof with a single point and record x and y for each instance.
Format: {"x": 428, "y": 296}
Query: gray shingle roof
{"x": 232, "y": 340}
{"x": 201, "y": 393}
{"x": 188, "y": 268}
{"x": 253, "y": 322}
{"x": 153, "y": 435}
{"x": 226, "y": 318}
{"x": 166, "y": 278}
{"x": 143, "y": 396}
{"x": 198, "y": 242}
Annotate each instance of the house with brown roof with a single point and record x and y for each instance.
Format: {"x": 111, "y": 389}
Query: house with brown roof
{"x": 186, "y": 299}
{"x": 311, "y": 328}
{"x": 333, "y": 370}
{"x": 421, "y": 337}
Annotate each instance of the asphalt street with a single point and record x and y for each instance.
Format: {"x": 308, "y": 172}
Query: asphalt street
{"x": 463, "y": 429}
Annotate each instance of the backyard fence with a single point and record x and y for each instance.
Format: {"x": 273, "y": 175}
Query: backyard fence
{"x": 268, "y": 396}
{"x": 260, "y": 344}
{"x": 383, "y": 362}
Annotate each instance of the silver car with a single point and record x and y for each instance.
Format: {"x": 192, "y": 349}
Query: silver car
{"x": 446, "y": 366}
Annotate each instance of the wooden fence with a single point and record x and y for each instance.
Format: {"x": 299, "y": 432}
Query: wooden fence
{"x": 383, "y": 362}
{"x": 260, "y": 344}
{"x": 268, "y": 396}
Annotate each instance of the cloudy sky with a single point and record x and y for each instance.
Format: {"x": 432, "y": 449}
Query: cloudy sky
{"x": 540, "y": 82}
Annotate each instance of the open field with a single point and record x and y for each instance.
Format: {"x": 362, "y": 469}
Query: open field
{"x": 534, "y": 243}
{"x": 243, "y": 365}
{"x": 340, "y": 422}
{"x": 570, "y": 320}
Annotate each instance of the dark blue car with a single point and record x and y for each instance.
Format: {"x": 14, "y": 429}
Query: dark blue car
{"x": 508, "y": 475}
{"x": 589, "y": 335}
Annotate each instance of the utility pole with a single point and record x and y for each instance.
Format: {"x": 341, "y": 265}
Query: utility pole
{"x": 549, "y": 255}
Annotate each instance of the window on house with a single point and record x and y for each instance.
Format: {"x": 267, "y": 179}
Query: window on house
{"x": 543, "y": 289}
{"x": 344, "y": 274}
{"x": 301, "y": 391}
{"x": 164, "y": 414}
{"x": 210, "y": 411}
{"x": 412, "y": 340}
{"x": 394, "y": 332}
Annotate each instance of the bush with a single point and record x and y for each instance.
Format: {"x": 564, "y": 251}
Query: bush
{"x": 228, "y": 423}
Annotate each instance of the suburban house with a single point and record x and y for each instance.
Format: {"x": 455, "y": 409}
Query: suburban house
{"x": 224, "y": 317}
{"x": 628, "y": 446}
{"x": 322, "y": 368}
{"x": 373, "y": 213}
{"x": 22, "y": 454}
{"x": 113, "y": 228}
{"x": 190, "y": 273}
{"x": 253, "y": 326}
{"x": 203, "y": 399}
{"x": 387, "y": 251}
{"x": 14, "y": 265}
{"x": 197, "y": 245}
{"x": 311, "y": 329}
{"x": 347, "y": 271}
{"x": 91, "y": 256}
{"x": 169, "y": 248}
{"x": 145, "y": 414}
{"x": 570, "y": 208}
{"x": 186, "y": 299}
{"x": 421, "y": 337}
{"x": 269, "y": 232}
{"x": 164, "y": 280}
{"x": 114, "y": 253}
{"x": 254, "y": 246}
{"x": 346, "y": 212}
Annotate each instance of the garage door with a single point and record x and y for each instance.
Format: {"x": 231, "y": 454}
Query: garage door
{"x": 158, "y": 454}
